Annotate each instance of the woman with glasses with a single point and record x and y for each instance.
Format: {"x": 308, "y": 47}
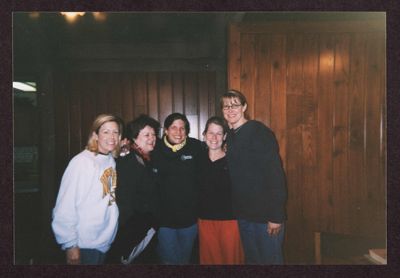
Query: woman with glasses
{"x": 258, "y": 182}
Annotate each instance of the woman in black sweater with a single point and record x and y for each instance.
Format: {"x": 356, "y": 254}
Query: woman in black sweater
{"x": 176, "y": 160}
{"x": 219, "y": 238}
{"x": 136, "y": 193}
{"x": 258, "y": 182}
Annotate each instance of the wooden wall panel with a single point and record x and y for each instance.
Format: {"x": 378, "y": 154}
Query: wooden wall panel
{"x": 340, "y": 133}
{"x": 177, "y": 78}
{"x": 294, "y": 123}
{"x": 190, "y": 93}
{"x": 81, "y": 96}
{"x": 203, "y": 101}
{"x": 102, "y": 91}
{"x": 153, "y": 96}
{"x": 88, "y": 96}
{"x": 248, "y": 72}
{"x": 140, "y": 94}
{"x": 213, "y": 98}
{"x": 165, "y": 95}
{"x": 262, "y": 107}
{"x": 325, "y": 133}
{"x": 234, "y": 61}
{"x": 127, "y": 97}
{"x": 75, "y": 134}
{"x": 356, "y": 134}
{"x": 115, "y": 102}
{"x": 278, "y": 89}
{"x": 322, "y": 86}
{"x": 374, "y": 141}
{"x": 190, "y": 96}
{"x": 311, "y": 190}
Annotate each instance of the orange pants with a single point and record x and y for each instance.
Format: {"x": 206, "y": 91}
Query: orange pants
{"x": 219, "y": 242}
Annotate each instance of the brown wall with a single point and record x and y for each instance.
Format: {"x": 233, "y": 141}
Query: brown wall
{"x": 81, "y": 96}
{"x": 320, "y": 86}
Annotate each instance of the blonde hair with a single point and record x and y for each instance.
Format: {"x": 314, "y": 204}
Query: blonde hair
{"x": 101, "y": 119}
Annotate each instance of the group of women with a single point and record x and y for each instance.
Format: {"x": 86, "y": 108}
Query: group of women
{"x": 151, "y": 203}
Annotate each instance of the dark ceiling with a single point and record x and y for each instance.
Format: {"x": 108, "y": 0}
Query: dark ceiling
{"x": 118, "y": 27}
{"x": 40, "y": 35}
{"x": 37, "y": 36}
{"x": 149, "y": 26}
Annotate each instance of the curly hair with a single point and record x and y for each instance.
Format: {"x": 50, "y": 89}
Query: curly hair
{"x": 134, "y": 127}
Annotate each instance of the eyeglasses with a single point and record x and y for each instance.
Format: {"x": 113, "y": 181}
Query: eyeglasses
{"x": 233, "y": 107}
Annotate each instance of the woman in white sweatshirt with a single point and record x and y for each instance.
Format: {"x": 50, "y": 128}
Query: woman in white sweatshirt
{"x": 85, "y": 217}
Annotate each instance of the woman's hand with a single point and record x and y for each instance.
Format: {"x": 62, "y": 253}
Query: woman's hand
{"x": 273, "y": 228}
{"x": 73, "y": 255}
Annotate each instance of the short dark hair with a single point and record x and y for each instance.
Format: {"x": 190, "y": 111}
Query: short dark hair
{"x": 134, "y": 127}
{"x": 218, "y": 121}
{"x": 177, "y": 116}
{"x": 233, "y": 94}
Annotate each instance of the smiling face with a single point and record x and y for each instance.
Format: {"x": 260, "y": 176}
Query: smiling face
{"x": 146, "y": 139}
{"x": 233, "y": 112}
{"x": 108, "y": 137}
{"x": 214, "y": 136}
{"x": 176, "y": 132}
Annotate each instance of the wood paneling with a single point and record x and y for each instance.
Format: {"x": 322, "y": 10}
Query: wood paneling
{"x": 278, "y": 89}
{"x": 325, "y": 132}
{"x": 320, "y": 86}
{"x": 340, "y": 130}
{"x": 178, "y": 92}
{"x": 248, "y": 68}
{"x": 310, "y": 190}
{"x": 262, "y": 107}
{"x": 373, "y": 109}
{"x": 81, "y": 96}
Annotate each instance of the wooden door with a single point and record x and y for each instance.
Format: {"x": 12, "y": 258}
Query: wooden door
{"x": 320, "y": 86}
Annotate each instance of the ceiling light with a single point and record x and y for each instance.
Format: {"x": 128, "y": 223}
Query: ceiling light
{"x": 99, "y": 16}
{"x": 25, "y": 86}
{"x": 72, "y": 16}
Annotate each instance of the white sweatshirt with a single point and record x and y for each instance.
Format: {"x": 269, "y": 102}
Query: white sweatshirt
{"x": 86, "y": 214}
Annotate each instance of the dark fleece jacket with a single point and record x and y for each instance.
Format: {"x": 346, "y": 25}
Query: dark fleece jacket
{"x": 177, "y": 180}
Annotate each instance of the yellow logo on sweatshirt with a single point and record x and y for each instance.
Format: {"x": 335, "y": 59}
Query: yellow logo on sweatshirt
{"x": 109, "y": 181}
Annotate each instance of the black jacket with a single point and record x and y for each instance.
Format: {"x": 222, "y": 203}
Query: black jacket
{"x": 258, "y": 180}
{"x": 136, "y": 190}
{"x": 137, "y": 200}
{"x": 178, "y": 187}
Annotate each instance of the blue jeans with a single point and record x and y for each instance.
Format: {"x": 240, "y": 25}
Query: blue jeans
{"x": 175, "y": 245}
{"x": 259, "y": 247}
{"x": 92, "y": 256}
